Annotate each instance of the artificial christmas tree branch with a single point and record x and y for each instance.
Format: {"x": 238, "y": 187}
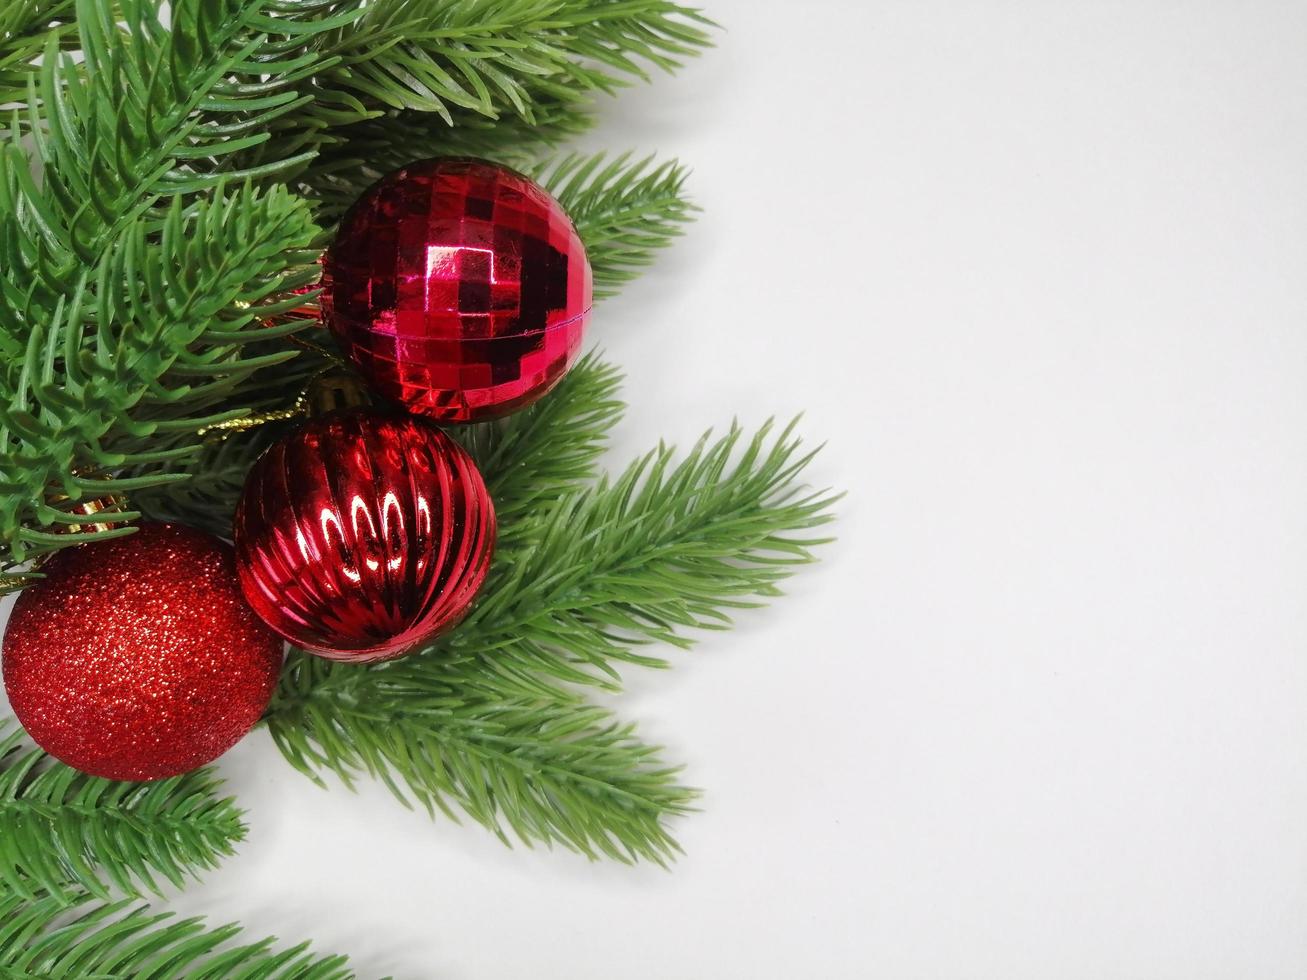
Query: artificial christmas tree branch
{"x": 462, "y": 65}
{"x": 585, "y": 579}
{"x": 360, "y": 153}
{"x": 169, "y": 319}
{"x": 544, "y": 769}
{"x": 64, "y": 834}
{"x": 580, "y": 585}
{"x": 501, "y": 56}
{"x": 26, "y": 29}
{"x": 624, "y": 210}
{"x": 667, "y": 547}
{"x": 106, "y": 940}
{"x": 93, "y": 249}
{"x": 167, "y": 93}
{"x": 531, "y": 458}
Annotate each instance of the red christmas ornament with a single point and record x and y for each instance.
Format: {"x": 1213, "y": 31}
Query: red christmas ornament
{"x": 362, "y": 533}
{"x": 137, "y": 657}
{"x": 459, "y": 289}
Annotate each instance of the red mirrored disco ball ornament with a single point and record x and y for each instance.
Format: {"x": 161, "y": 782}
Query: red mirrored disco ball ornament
{"x": 138, "y": 657}
{"x": 458, "y": 288}
{"x": 361, "y": 533}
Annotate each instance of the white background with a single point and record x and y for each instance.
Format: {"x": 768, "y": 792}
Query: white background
{"x": 1036, "y": 271}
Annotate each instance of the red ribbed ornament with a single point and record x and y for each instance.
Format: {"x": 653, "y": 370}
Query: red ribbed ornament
{"x": 458, "y": 288}
{"x": 362, "y": 533}
{"x": 137, "y": 657}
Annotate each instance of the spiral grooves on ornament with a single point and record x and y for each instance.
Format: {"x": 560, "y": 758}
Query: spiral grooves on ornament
{"x": 361, "y": 534}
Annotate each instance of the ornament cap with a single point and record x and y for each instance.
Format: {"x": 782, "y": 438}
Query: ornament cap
{"x": 335, "y": 390}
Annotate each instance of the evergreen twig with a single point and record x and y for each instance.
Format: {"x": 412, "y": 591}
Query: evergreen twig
{"x": 156, "y": 364}
{"x": 624, "y": 210}
{"x": 64, "y": 834}
{"x": 362, "y": 153}
{"x": 583, "y": 584}
{"x": 128, "y": 275}
{"x": 26, "y": 28}
{"x": 668, "y": 547}
{"x": 533, "y": 65}
{"x": 533, "y": 457}
{"x": 544, "y": 769}
{"x": 496, "y": 57}
{"x": 112, "y": 940}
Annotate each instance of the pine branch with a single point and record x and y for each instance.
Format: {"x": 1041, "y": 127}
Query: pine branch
{"x": 273, "y": 107}
{"x": 26, "y": 28}
{"x": 579, "y": 586}
{"x": 550, "y": 770}
{"x": 496, "y": 57}
{"x": 667, "y": 547}
{"x": 208, "y": 499}
{"x": 126, "y": 127}
{"x": 531, "y": 458}
{"x": 121, "y": 939}
{"x": 65, "y": 834}
{"x": 359, "y": 155}
{"x": 532, "y": 66}
{"x": 167, "y": 322}
{"x": 537, "y": 764}
{"x": 121, "y": 317}
{"x": 624, "y": 211}
{"x": 464, "y": 64}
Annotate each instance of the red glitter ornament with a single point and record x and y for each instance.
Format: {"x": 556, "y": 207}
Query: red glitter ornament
{"x": 137, "y": 657}
{"x": 362, "y": 533}
{"x": 458, "y": 288}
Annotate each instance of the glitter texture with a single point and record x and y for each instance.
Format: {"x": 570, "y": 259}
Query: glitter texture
{"x": 362, "y": 533}
{"x": 138, "y": 658}
{"x": 458, "y": 288}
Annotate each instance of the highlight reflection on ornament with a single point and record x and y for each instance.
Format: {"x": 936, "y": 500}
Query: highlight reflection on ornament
{"x": 361, "y": 533}
{"x": 458, "y": 288}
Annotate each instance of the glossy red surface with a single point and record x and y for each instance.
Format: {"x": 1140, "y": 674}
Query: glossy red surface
{"x": 137, "y": 657}
{"x": 458, "y": 288}
{"x": 362, "y": 533}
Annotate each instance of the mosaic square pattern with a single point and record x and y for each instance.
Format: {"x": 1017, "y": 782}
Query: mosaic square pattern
{"x": 459, "y": 288}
